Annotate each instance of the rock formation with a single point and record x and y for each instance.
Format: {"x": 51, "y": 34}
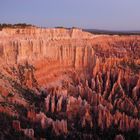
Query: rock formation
{"x": 70, "y": 84}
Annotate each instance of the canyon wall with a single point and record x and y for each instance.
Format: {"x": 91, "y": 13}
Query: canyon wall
{"x": 62, "y": 47}
{"x": 58, "y": 49}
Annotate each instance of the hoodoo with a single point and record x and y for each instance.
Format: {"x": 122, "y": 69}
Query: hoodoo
{"x": 69, "y": 84}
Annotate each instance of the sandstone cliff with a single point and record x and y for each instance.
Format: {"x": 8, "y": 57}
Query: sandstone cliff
{"x": 33, "y": 44}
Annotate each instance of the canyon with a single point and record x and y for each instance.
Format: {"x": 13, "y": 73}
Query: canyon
{"x": 69, "y": 84}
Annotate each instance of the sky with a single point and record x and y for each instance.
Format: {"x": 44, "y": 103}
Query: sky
{"x": 91, "y": 14}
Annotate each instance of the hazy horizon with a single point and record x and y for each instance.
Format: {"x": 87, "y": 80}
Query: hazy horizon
{"x": 91, "y": 14}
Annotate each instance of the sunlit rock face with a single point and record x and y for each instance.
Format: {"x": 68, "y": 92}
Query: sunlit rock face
{"x": 46, "y": 49}
{"x": 69, "y": 84}
{"x": 61, "y": 45}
